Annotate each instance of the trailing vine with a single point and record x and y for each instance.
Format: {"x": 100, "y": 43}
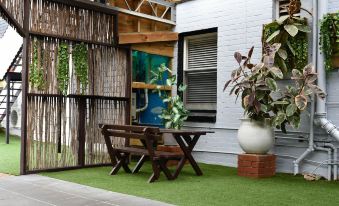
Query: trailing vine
{"x": 80, "y": 60}
{"x": 63, "y": 67}
{"x": 36, "y": 75}
{"x": 293, "y": 53}
{"x": 329, "y": 41}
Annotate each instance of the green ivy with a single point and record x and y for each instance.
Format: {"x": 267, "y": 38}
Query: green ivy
{"x": 80, "y": 60}
{"x": 296, "y": 47}
{"x": 36, "y": 75}
{"x": 329, "y": 41}
{"x": 63, "y": 68}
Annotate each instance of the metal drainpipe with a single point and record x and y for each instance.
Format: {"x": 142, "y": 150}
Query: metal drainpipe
{"x": 321, "y": 111}
{"x": 329, "y": 165}
{"x": 310, "y": 148}
{"x": 335, "y": 159}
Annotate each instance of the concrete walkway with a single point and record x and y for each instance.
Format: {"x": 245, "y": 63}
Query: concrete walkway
{"x": 35, "y": 190}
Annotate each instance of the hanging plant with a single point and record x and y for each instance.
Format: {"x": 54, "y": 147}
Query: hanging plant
{"x": 80, "y": 60}
{"x": 329, "y": 41}
{"x": 36, "y": 74}
{"x": 290, "y": 32}
{"x": 63, "y": 68}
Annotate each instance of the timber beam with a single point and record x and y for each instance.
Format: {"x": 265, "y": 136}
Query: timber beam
{"x": 148, "y": 37}
{"x": 12, "y": 21}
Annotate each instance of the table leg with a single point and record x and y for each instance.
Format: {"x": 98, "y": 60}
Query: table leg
{"x": 187, "y": 150}
{"x": 140, "y": 163}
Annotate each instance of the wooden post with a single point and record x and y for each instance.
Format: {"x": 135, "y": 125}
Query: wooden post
{"x": 25, "y": 72}
{"x": 82, "y": 131}
{"x": 8, "y": 105}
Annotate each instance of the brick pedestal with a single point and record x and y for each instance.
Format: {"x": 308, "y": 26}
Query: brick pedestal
{"x": 256, "y": 166}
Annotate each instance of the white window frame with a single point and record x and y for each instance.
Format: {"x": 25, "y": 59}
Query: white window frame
{"x": 201, "y": 106}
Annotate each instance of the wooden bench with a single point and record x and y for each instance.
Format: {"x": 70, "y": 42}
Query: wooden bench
{"x": 149, "y": 136}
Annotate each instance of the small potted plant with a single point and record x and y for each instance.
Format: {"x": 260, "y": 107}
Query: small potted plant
{"x": 174, "y": 115}
{"x": 265, "y": 104}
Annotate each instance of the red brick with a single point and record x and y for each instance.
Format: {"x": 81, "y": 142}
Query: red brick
{"x": 244, "y": 163}
{"x": 256, "y": 166}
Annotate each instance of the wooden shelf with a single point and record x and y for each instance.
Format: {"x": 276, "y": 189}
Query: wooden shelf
{"x": 142, "y": 85}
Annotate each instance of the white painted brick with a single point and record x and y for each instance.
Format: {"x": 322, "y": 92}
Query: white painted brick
{"x": 240, "y": 25}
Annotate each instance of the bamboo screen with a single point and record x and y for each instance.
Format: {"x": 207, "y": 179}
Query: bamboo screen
{"x": 15, "y": 7}
{"x": 53, "y": 119}
{"x": 52, "y": 133}
{"x": 56, "y": 19}
{"x": 101, "y": 112}
{"x": 106, "y": 69}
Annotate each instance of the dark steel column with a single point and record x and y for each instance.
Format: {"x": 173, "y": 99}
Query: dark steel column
{"x": 8, "y": 105}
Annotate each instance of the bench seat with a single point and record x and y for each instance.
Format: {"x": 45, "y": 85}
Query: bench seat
{"x": 157, "y": 154}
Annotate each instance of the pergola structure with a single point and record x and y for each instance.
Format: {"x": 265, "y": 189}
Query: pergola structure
{"x": 60, "y": 128}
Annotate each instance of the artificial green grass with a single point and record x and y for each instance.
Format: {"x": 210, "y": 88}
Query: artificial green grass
{"x": 218, "y": 186}
{"x": 9, "y": 155}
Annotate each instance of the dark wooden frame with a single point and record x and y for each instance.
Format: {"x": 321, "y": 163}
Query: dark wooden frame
{"x": 25, "y": 32}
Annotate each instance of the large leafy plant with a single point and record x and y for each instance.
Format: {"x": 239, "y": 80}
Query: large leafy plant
{"x": 329, "y": 38}
{"x": 36, "y": 74}
{"x": 291, "y": 32}
{"x": 262, "y": 99}
{"x": 63, "y": 67}
{"x": 175, "y": 114}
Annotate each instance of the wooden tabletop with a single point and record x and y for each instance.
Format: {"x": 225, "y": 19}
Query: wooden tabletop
{"x": 185, "y": 131}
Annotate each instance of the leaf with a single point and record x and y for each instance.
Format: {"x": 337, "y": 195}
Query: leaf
{"x": 182, "y": 88}
{"x": 226, "y": 85}
{"x": 169, "y": 82}
{"x": 245, "y": 100}
{"x": 264, "y": 108}
{"x": 250, "y": 52}
{"x": 291, "y": 109}
{"x": 258, "y": 67}
{"x": 318, "y": 91}
{"x": 257, "y": 106}
{"x": 308, "y": 69}
{"x": 291, "y": 29}
{"x": 276, "y": 72}
{"x": 281, "y": 102}
{"x": 282, "y": 19}
{"x": 290, "y": 47}
{"x": 295, "y": 121}
{"x": 251, "y": 99}
{"x": 272, "y": 84}
{"x": 279, "y": 119}
{"x": 168, "y": 124}
{"x": 282, "y": 53}
{"x": 296, "y": 74}
{"x": 304, "y": 28}
{"x": 270, "y": 38}
{"x": 238, "y": 57}
{"x": 301, "y": 102}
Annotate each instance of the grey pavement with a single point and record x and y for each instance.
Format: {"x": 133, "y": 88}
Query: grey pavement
{"x": 36, "y": 190}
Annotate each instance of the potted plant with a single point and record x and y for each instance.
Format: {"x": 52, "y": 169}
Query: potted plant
{"x": 329, "y": 40}
{"x": 265, "y": 104}
{"x": 174, "y": 115}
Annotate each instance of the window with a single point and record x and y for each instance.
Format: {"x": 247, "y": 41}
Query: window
{"x": 200, "y": 71}
{"x": 281, "y": 8}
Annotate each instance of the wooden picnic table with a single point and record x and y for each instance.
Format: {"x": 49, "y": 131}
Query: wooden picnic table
{"x": 186, "y": 139}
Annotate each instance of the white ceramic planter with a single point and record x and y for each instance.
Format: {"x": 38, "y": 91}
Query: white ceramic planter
{"x": 255, "y": 137}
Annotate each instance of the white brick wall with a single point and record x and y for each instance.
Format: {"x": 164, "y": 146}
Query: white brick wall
{"x": 333, "y": 5}
{"x": 239, "y": 25}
